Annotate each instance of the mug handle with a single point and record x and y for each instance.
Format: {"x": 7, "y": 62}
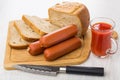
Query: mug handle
{"x": 110, "y": 51}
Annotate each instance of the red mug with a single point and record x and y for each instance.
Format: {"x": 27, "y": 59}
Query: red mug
{"x": 102, "y": 43}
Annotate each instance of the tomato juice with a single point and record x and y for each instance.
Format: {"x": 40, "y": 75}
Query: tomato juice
{"x": 101, "y": 38}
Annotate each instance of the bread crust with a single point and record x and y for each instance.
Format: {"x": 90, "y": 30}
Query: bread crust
{"x": 84, "y": 17}
{"x": 66, "y": 7}
{"x": 78, "y": 10}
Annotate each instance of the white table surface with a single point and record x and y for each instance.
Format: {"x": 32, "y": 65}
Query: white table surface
{"x": 14, "y": 9}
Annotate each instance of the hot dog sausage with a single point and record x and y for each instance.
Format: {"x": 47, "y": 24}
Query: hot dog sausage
{"x": 59, "y": 35}
{"x": 35, "y": 48}
{"x": 51, "y": 39}
{"x": 62, "y": 48}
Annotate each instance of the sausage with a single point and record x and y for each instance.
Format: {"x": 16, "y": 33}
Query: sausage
{"x": 51, "y": 39}
{"x": 35, "y": 48}
{"x": 59, "y": 35}
{"x": 62, "y": 48}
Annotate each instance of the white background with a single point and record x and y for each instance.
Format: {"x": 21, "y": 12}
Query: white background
{"x": 14, "y": 9}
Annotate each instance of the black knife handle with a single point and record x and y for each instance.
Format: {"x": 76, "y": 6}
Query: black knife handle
{"x": 96, "y": 71}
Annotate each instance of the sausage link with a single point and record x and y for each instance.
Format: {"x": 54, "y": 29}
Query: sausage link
{"x": 62, "y": 48}
{"x": 35, "y": 48}
{"x": 59, "y": 35}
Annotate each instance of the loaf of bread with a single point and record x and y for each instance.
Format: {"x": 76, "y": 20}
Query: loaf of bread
{"x": 39, "y": 25}
{"x": 66, "y": 13}
{"x": 25, "y": 31}
{"x": 15, "y": 39}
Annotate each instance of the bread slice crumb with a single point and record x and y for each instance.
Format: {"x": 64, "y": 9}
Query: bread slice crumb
{"x": 39, "y": 25}
{"x": 15, "y": 39}
{"x": 25, "y": 31}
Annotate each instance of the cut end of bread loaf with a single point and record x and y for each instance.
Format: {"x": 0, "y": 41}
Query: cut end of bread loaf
{"x": 64, "y": 20}
{"x": 15, "y": 39}
{"x": 25, "y": 31}
{"x": 67, "y": 13}
{"x": 39, "y": 25}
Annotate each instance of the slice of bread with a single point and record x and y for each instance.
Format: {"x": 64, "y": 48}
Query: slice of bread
{"x": 25, "y": 31}
{"x": 15, "y": 39}
{"x": 39, "y": 25}
{"x": 66, "y": 13}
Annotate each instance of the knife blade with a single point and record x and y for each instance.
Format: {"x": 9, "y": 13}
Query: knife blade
{"x": 54, "y": 70}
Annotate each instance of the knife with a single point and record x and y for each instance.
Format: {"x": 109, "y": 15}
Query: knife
{"x": 54, "y": 70}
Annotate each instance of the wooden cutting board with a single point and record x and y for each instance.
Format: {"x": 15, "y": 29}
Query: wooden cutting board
{"x": 21, "y": 56}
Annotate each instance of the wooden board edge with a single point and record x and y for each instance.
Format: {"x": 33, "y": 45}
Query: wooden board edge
{"x": 7, "y": 62}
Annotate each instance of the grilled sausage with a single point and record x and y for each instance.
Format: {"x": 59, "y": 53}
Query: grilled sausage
{"x": 35, "y": 48}
{"x": 62, "y": 48}
{"x": 59, "y": 35}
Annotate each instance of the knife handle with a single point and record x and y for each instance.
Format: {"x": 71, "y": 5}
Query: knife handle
{"x": 95, "y": 71}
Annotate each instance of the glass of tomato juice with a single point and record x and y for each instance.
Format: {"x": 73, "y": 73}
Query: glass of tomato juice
{"x": 102, "y": 43}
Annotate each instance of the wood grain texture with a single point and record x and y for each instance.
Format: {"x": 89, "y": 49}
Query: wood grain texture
{"x": 21, "y": 56}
